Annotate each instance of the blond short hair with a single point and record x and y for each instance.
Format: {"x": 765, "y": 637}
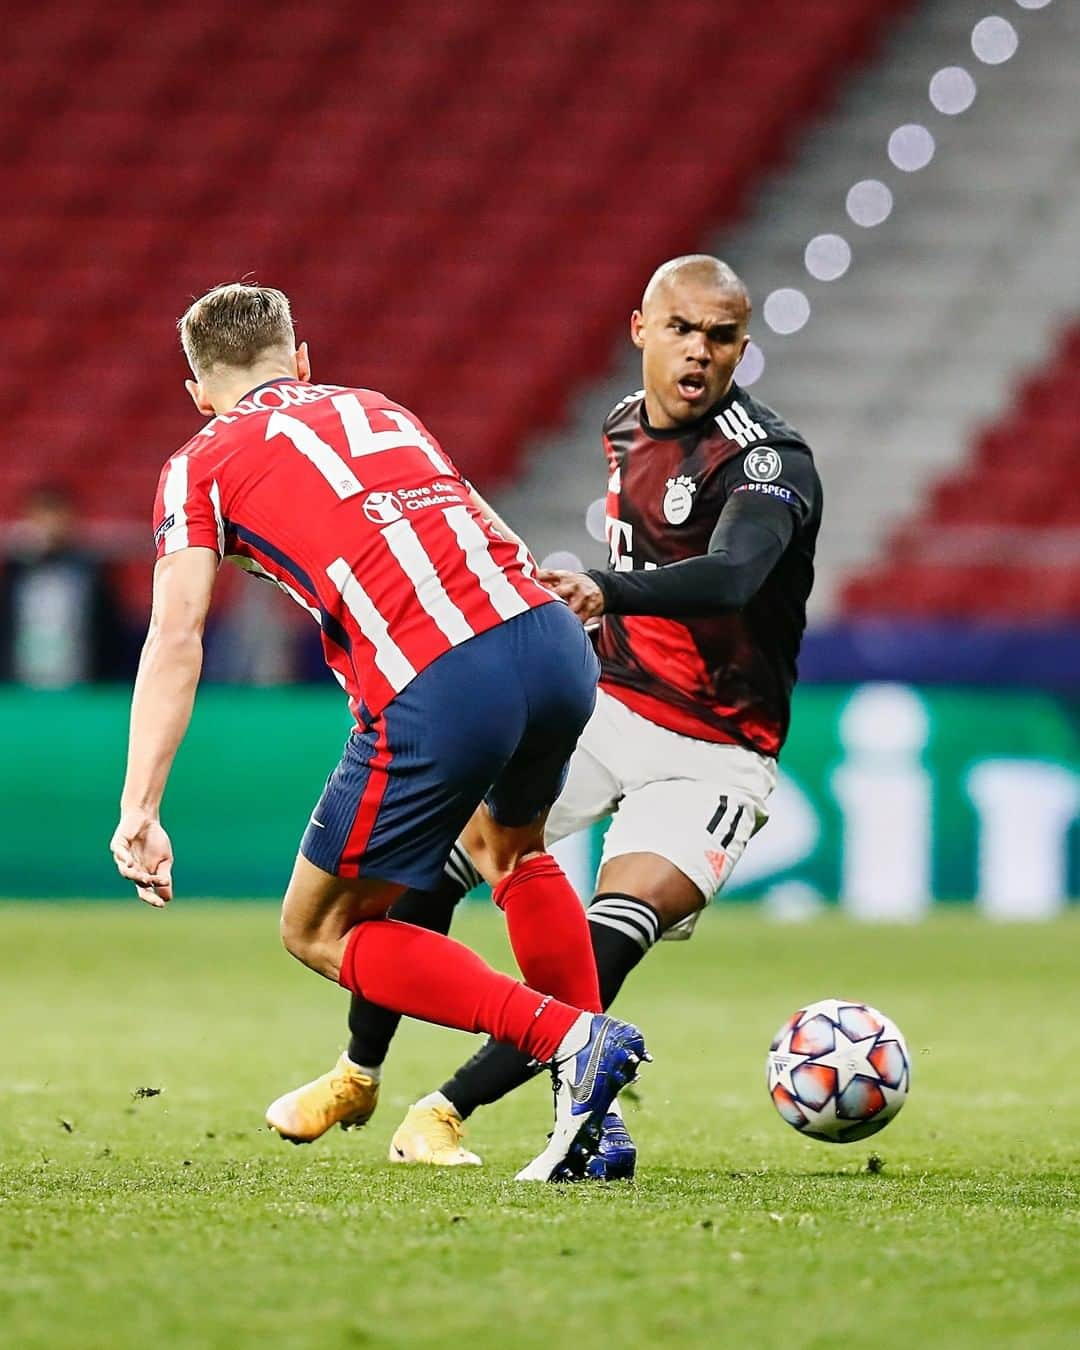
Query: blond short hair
{"x": 233, "y": 325}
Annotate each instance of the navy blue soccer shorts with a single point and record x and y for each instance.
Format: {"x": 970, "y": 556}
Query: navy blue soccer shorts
{"x": 495, "y": 719}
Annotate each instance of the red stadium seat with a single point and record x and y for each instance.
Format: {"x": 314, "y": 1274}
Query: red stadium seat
{"x": 1000, "y": 537}
{"x": 462, "y": 200}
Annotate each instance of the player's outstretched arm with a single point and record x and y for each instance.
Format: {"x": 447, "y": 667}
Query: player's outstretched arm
{"x": 749, "y": 540}
{"x": 161, "y": 704}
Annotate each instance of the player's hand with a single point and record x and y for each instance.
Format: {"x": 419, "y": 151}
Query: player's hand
{"x": 579, "y": 591}
{"x": 143, "y": 854}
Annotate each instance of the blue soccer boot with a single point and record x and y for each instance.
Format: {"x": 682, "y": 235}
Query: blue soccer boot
{"x": 603, "y": 1056}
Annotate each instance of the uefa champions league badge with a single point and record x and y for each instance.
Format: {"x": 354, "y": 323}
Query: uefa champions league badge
{"x": 762, "y": 465}
{"x": 679, "y": 499}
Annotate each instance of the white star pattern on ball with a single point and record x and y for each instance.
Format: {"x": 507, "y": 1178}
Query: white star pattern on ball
{"x": 831, "y": 1089}
{"x": 849, "y": 1059}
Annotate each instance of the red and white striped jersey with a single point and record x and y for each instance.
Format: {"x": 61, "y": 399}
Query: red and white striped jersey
{"x": 347, "y": 502}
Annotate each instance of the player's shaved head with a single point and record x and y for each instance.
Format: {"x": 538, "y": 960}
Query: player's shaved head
{"x": 234, "y": 325}
{"x": 691, "y": 329}
{"x": 698, "y": 269}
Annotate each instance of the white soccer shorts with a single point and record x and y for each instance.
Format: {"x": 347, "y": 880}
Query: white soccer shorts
{"x": 695, "y": 803}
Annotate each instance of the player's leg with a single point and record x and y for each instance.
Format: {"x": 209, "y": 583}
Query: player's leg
{"x": 431, "y": 977}
{"x": 672, "y": 844}
{"x": 372, "y": 1028}
{"x": 430, "y": 1132}
{"x": 394, "y": 808}
{"x": 348, "y": 1093}
{"x": 548, "y": 932}
{"x": 558, "y": 671}
{"x": 644, "y": 893}
{"x": 338, "y": 927}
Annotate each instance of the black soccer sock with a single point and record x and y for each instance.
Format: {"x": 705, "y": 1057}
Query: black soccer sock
{"x": 622, "y": 931}
{"x": 493, "y": 1071}
{"x": 371, "y": 1027}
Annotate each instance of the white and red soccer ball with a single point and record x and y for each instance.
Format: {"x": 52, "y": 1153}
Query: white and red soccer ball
{"x": 838, "y": 1070}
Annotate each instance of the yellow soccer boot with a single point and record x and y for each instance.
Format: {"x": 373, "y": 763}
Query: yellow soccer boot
{"x": 432, "y": 1133}
{"x": 345, "y": 1096}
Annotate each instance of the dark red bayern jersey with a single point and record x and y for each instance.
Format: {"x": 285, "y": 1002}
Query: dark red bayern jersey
{"x": 727, "y": 678}
{"x": 347, "y": 502}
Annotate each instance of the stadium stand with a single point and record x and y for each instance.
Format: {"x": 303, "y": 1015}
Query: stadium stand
{"x": 999, "y": 536}
{"x": 384, "y": 172}
{"x": 907, "y": 359}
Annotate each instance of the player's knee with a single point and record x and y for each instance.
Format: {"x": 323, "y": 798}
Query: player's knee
{"x": 498, "y": 867}
{"x": 312, "y": 947}
{"x": 673, "y": 909}
{"x": 291, "y": 938}
{"x": 297, "y": 939}
{"x": 498, "y": 850}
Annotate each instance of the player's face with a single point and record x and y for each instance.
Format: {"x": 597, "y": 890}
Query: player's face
{"x": 692, "y": 336}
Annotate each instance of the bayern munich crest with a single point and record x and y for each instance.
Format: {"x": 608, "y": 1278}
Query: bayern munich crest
{"x": 679, "y": 499}
{"x": 762, "y": 465}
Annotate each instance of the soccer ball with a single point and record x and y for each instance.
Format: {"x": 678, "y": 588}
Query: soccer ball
{"x": 838, "y": 1070}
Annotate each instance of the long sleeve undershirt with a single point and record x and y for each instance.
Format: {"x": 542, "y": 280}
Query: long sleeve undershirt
{"x": 749, "y": 540}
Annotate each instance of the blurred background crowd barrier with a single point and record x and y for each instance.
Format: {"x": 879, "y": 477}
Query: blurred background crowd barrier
{"x": 463, "y": 201}
{"x": 889, "y": 798}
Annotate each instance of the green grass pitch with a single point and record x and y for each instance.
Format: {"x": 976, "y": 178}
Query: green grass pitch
{"x": 177, "y": 1220}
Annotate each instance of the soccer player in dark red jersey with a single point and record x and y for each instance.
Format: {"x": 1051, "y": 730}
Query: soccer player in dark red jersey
{"x": 468, "y": 682}
{"x": 713, "y": 511}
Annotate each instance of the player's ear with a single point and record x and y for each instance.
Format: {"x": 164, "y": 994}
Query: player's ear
{"x": 637, "y": 328}
{"x": 303, "y": 363}
{"x": 199, "y": 398}
{"x": 743, "y": 346}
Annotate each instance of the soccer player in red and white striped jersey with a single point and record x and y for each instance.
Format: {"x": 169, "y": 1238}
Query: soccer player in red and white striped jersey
{"x": 468, "y": 681}
{"x": 344, "y": 500}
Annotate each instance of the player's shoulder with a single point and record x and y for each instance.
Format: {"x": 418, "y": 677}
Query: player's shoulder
{"x": 197, "y": 448}
{"x": 768, "y": 426}
{"x": 773, "y": 457}
{"x": 626, "y": 412}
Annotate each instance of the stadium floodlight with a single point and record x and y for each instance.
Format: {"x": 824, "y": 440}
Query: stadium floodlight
{"x": 952, "y": 90}
{"x": 869, "y": 202}
{"x": 827, "y": 257}
{"x": 911, "y": 147}
{"x": 596, "y": 519}
{"x": 994, "y": 40}
{"x": 1032, "y": 4}
{"x": 752, "y": 366}
{"x": 786, "y": 310}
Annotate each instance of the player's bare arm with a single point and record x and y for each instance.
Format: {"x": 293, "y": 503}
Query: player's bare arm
{"x": 161, "y": 704}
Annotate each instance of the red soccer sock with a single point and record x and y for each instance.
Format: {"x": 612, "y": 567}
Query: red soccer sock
{"x": 549, "y": 932}
{"x": 426, "y": 975}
